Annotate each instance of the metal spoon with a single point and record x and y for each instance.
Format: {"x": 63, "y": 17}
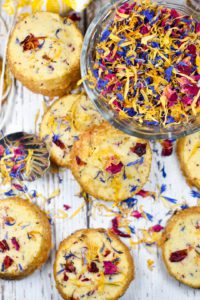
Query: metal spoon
{"x": 28, "y": 149}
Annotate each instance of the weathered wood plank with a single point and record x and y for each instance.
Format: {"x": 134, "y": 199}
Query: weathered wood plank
{"x": 147, "y": 285}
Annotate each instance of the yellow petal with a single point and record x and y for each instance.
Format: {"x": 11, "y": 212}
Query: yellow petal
{"x": 53, "y": 6}
{"x": 198, "y": 63}
{"x": 36, "y": 5}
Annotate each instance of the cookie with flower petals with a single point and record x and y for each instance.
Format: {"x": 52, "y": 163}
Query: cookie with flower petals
{"x": 93, "y": 264}
{"x": 25, "y": 238}
{"x": 181, "y": 247}
{"x": 110, "y": 165}
{"x": 188, "y": 150}
{"x": 44, "y": 53}
{"x": 62, "y": 124}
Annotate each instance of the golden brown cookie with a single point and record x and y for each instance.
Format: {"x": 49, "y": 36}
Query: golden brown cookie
{"x": 25, "y": 238}
{"x": 188, "y": 151}
{"x": 44, "y": 53}
{"x": 93, "y": 264}
{"x": 181, "y": 246}
{"x": 64, "y": 121}
{"x": 109, "y": 164}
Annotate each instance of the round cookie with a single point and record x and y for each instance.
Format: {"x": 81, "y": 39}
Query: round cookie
{"x": 181, "y": 247}
{"x": 44, "y": 53}
{"x": 188, "y": 151}
{"x": 25, "y": 238}
{"x": 93, "y": 264}
{"x": 109, "y": 164}
{"x": 62, "y": 124}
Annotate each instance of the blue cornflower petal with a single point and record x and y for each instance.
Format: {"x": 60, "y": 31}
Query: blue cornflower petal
{"x": 105, "y": 35}
{"x": 168, "y": 73}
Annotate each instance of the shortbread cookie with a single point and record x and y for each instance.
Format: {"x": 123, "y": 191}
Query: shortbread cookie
{"x": 44, "y": 53}
{"x": 25, "y": 238}
{"x": 62, "y": 124}
{"x": 109, "y": 164}
{"x": 188, "y": 150}
{"x": 181, "y": 247}
{"x": 93, "y": 264}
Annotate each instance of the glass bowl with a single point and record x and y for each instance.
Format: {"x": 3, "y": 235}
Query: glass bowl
{"x": 130, "y": 127}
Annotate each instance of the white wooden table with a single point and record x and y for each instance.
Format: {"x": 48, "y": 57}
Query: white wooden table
{"x": 156, "y": 284}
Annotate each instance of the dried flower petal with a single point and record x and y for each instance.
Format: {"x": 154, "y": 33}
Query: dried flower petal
{"x": 136, "y": 214}
{"x": 69, "y": 267}
{"x": 156, "y": 228}
{"x": 178, "y": 255}
{"x": 107, "y": 252}
{"x": 110, "y": 268}
{"x": 167, "y": 148}
{"x": 31, "y": 42}
{"x": 4, "y": 246}
{"x": 60, "y": 144}
{"x": 139, "y": 149}
{"x": 114, "y": 168}
{"x": 1, "y": 150}
{"x": 9, "y": 221}
{"x": 15, "y": 243}
{"x": 79, "y": 161}
{"x": 66, "y": 206}
{"x": 93, "y": 267}
{"x": 8, "y": 261}
{"x": 115, "y": 225}
{"x": 143, "y": 193}
{"x": 65, "y": 277}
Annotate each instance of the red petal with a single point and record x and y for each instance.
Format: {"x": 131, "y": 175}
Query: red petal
{"x": 79, "y": 161}
{"x": 115, "y": 225}
{"x": 65, "y": 277}
{"x": 144, "y": 30}
{"x": 187, "y": 100}
{"x": 139, "y": 149}
{"x": 8, "y": 261}
{"x": 107, "y": 252}
{"x": 198, "y": 28}
{"x": 15, "y": 243}
{"x": 114, "y": 169}
{"x": 74, "y": 17}
{"x": 85, "y": 279}
{"x": 174, "y": 13}
{"x": 31, "y": 42}
{"x": 178, "y": 255}
{"x": 143, "y": 193}
{"x": 93, "y": 268}
{"x": 110, "y": 268}
{"x": 117, "y": 105}
{"x": 69, "y": 267}
{"x": 1, "y": 150}
{"x": 156, "y": 228}
{"x": 4, "y": 246}
{"x": 187, "y": 70}
{"x": 167, "y": 148}
{"x": 66, "y": 206}
{"x": 191, "y": 49}
{"x": 136, "y": 214}
{"x": 60, "y": 144}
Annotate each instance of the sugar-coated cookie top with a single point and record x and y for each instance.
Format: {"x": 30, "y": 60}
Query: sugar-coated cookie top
{"x": 45, "y": 46}
{"x": 181, "y": 246}
{"x": 64, "y": 121}
{"x": 93, "y": 264}
{"x": 109, "y": 164}
{"x": 21, "y": 235}
{"x": 190, "y": 156}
